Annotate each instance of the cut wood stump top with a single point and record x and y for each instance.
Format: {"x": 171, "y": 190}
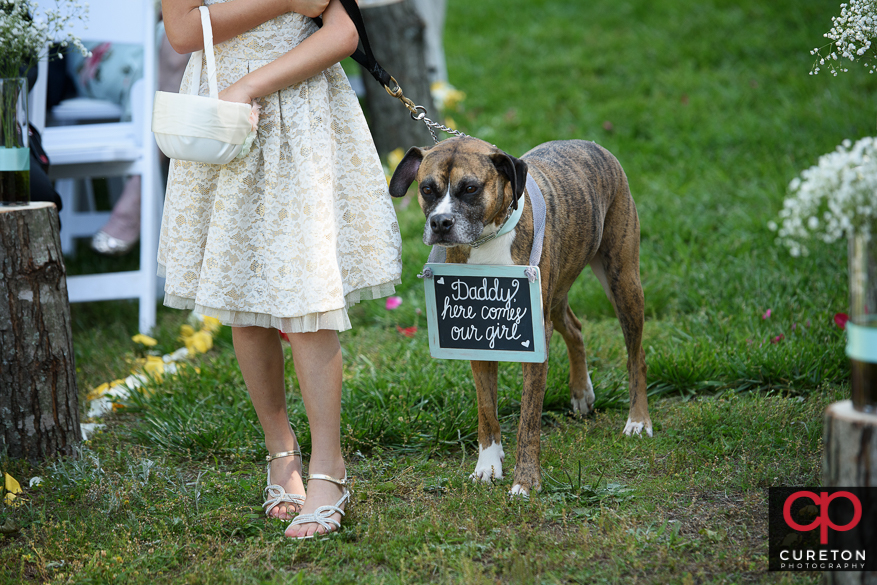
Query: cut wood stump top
{"x": 29, "y": 207}
{"x": 844, "y": 410}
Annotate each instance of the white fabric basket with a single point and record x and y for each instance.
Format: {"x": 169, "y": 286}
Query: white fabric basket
{"x": 198, "y": 128}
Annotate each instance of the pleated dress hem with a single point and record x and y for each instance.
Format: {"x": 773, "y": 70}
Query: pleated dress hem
{"x": 336, "y": 319}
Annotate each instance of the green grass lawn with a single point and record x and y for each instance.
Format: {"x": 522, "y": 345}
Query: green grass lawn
{"x": 710, "y": 109}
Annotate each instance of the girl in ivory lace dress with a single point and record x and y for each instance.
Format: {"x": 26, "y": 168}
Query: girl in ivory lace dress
{"x": 290, "y": 235}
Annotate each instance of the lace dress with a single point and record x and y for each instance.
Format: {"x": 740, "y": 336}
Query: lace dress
{"x": 299, "y": 229}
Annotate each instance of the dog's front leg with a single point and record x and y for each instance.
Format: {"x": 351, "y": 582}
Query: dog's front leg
{"x": 528, "y": 474}
{"x": 490, "y": 453}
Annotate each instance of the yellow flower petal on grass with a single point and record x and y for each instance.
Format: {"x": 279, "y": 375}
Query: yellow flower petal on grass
{"x": 144, "y": 340}
{"x": 12, "y": 487}
{"x": 154, "y": 366}
{"x": 445, "y": 95}
{"x": 98, "y": 391}
{"x": 211, "y": 324}
{"x": 394, "y": 158}
{"x": 186, "y": 331}
{"x": 200, "y": 342}
{"x": 12, "y": 484}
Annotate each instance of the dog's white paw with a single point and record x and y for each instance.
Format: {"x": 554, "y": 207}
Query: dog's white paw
{"x": 632, "y": 428}
{"x": 489, "y": 466}
{"x": 585, "y": 404}
{"x": 519, "y": 491}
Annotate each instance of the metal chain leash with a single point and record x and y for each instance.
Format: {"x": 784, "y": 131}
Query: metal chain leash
{"x": 419, "y": 112}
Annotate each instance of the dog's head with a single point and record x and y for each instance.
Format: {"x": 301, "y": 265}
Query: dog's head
{"x": 465, "y": 188}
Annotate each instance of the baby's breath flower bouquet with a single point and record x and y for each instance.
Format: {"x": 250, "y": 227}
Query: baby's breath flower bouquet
{"x": 835, "y": 198}
{"x": 26, "y": 31}
{"x": 838, "y": 197}
{"x": 850, "y": 35}
{"x": 25, "y": 34}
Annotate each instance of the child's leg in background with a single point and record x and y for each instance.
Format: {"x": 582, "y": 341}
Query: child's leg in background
{"x": 260, "y": 357}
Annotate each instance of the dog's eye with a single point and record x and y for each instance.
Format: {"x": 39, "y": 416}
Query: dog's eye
{"x": 471, "y": 189}
{"x": 426, "y": 190}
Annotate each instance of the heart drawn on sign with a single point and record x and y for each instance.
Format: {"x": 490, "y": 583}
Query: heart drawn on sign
{"x": 440, "y": 281}
{"x": 526, "y": 343}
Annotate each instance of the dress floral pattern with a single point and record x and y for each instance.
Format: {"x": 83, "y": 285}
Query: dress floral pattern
{"x": 302, "y": 227}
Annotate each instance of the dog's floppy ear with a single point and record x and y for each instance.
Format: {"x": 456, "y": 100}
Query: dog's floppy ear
{"x": 514, "y": 169}
{"x": 405, "y": 172}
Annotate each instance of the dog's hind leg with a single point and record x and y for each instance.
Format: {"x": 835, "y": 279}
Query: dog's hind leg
{"x": 626, "y": 294}
{"x": 570, "y": 328}
{"x": 490, "y": 453}
{"x": 616, "y": 265}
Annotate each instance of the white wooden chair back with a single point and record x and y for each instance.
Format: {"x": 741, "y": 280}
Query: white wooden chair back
{"x": 110, "y": 150}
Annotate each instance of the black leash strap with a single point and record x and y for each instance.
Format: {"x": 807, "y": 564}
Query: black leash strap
{"x": 364, "y": 56}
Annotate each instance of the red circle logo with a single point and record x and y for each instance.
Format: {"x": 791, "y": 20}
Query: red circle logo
{"x": 823, "y": 522}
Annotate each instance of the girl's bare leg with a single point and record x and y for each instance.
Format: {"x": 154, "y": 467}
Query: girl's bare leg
{"x": 317, "y": 358}
{"x": 260, "y": 357}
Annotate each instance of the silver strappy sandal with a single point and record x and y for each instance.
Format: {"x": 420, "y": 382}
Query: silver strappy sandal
{"x": 275, "y": 494}
{"x": 323, "y": 514}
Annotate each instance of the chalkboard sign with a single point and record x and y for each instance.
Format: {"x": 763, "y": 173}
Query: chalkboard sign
{"x": 484, "y": 312}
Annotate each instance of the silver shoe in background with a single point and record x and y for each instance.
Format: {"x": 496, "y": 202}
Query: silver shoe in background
{"x": 104, "y": 243}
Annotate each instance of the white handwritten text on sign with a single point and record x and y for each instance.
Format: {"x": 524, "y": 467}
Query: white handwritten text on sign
{"x": 484, "y": 312}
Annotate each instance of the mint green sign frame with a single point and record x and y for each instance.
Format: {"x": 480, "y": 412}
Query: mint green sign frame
{"x": 448, "y": 271}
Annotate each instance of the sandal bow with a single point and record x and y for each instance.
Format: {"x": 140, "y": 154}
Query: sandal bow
{"x": 323, "y": 514}
{"x": 275, "y": 494}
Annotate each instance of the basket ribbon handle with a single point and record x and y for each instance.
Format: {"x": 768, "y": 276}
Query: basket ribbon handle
{"x": 207, "y": 29}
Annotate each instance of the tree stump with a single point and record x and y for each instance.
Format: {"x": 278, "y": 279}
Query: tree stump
{"x": 39, "y": 399}
{"x": 396, "y": 34}
{"x": 850, "y": 460}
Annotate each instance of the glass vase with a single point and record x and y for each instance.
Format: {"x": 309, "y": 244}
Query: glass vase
{"x": 14, "y": 150}
{"x": 862, "y": 326}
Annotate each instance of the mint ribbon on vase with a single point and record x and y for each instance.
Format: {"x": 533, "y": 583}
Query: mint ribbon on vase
{"x": 861, "y": 343}
{"x": 14, "y": 159}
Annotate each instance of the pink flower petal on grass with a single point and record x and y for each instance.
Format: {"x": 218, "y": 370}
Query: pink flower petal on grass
{"x": 766, "y": 314}
{"x": 393, "y": 303}
{"x": 840, "y": 319}
{"x": 778, "y": 338}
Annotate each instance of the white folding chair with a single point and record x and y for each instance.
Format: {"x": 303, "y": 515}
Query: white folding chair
{"x": 110, "y": 150}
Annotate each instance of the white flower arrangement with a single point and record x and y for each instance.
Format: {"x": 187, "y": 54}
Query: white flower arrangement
{"x": 25, "y": 31}
{"x": 851, "y": 34}
{"x": 834, "y": 198}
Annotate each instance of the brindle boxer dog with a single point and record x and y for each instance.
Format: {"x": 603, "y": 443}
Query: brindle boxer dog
{"x": 465, "y": 189}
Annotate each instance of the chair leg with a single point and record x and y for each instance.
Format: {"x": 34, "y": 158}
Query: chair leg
{"x": 151, "y": 194}
{"x": 66, "y": 188}
{"x": 87, "y": 193}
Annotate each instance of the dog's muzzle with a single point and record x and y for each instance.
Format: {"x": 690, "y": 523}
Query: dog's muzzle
{"x": 441, "y": 224}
